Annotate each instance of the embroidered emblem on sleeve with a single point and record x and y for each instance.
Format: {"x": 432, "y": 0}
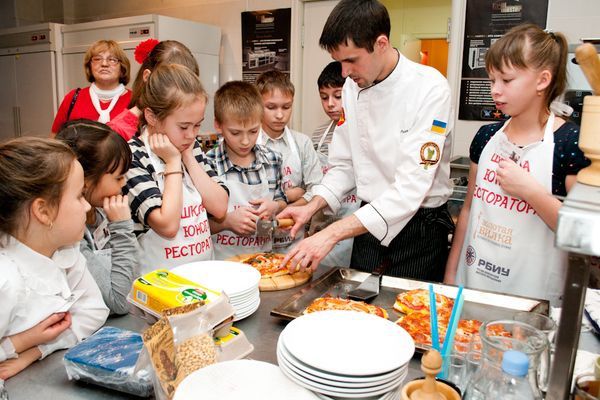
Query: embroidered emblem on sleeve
{"x": 430, "y": 154}
{"x": 342, "y": 118}
{"x": 438, "y": 127}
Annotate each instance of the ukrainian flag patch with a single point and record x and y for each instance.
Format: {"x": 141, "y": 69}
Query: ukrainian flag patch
{"x": 438, "y": 127}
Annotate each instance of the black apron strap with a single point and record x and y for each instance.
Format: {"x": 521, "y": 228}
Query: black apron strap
{"x": 419, "y": 251}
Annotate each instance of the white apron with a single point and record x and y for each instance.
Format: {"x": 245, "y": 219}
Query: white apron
{"x": 508, "y": 248}
{"x": 341, "y": 253}
{"x": 192, "y": 242}
{"x": 228, "y": 243}
{"x": 291, "y": 171}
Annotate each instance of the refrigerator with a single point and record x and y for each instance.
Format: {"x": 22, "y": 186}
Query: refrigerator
{"x": 30, "y": 79}
{"x": 203, "y": 40}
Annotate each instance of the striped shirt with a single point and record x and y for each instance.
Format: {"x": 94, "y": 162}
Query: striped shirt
{"x": 271, "y": 160}
{"x": 142, "y": 182}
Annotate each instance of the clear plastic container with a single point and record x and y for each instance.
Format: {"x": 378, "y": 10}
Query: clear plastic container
{"x": 513, "y": 384}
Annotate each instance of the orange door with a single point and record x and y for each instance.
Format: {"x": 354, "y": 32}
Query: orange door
{"x": 434, "y": 52}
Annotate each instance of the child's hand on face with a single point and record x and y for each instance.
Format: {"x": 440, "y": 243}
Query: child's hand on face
{"x": 117, "y": 208}
{"x": 294, "y": 194}
{"x": 162, "y": 147}
{"x": 243, "y": 220}
{"x": 515, "y": 180}
{"x": 265, "y": 208}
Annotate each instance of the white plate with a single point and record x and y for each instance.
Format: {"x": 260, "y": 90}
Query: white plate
{"x": 334, "y": 388}
{"x": 330, "y": 391}
{"x": 240, "y": 379}
{"x": 336, "y": 380}
{"x": 323, "y": 340}
{"x": 392, "y": 395}
{"x": 228, "y": 276}
{"x": 245, "y": 314}
{"x": 246, "y": 299}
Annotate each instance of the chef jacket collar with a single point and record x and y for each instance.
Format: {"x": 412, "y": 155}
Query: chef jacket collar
{"x": 387, "y": 82}
{"x": 42, "y": 274}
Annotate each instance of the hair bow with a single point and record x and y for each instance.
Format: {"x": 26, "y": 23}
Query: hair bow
{"x": 143, "y": 50}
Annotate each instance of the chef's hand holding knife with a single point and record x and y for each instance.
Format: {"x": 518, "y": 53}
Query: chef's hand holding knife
{"x": 309, "y": 252}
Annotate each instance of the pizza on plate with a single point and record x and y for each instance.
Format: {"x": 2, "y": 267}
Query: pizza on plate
{"x": 268, "y": 264}
{"x": 337, "y": 303}
{"x": 418, "y": 300}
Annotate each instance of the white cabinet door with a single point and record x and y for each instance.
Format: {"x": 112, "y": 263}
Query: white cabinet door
{"x": 8, "y": 92}
{"x": 314, "y": 59}
{"x": 36, "y": 92}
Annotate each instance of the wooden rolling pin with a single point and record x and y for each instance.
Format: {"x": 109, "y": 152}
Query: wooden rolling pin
{"x": 587, "y": 58}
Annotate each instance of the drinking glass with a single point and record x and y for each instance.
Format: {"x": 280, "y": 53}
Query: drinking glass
{"x": 457, "y": 368}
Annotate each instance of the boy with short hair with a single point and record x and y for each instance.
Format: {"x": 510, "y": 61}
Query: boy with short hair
{"x": 301, "y": 169}
{"x": 252, "y": 172}
{"x": 330, "y": 83}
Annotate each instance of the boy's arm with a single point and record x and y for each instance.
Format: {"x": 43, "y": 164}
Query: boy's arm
{"x": 312, "y": 173}
{"x": 214, "y": 196}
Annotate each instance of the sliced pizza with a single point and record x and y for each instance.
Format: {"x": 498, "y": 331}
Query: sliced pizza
{"x": 418, "y": 326}
{"x": 268, "y": 264}
{"x": 418, "y": 300}
{"x": 337, "y": 303}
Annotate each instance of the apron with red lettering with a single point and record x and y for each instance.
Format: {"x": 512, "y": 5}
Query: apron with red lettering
{"x": 508, "y": 248}
{"x": 228, "y": 243}
{"x": 291, "y": 171}
{"x": 341, "y": 253}
{"x": 192, "y": 242}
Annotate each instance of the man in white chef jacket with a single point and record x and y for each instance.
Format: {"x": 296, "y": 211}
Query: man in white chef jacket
{"x": 392, "y": 144}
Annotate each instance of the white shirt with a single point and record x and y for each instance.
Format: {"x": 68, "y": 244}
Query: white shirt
{"x": 32, "y": 287}
{"x": 310, "y": 169}
{"x": 388, "y": 149}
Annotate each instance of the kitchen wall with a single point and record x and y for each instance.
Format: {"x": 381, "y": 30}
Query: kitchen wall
{"x": 225, "y": 14}
{"x": 417, "y": 19}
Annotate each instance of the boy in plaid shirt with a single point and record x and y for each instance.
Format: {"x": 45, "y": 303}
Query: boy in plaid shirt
{"x": 251, "y": 172}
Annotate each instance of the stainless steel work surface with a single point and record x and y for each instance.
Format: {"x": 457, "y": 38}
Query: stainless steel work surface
{"x": 483, "y": 306}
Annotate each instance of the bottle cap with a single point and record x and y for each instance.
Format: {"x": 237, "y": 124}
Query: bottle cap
{"x": 515, "y": 363}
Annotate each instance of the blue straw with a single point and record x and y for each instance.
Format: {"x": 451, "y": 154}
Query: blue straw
{"x": 452, "y": 325}
{"x": 435, "y": 339}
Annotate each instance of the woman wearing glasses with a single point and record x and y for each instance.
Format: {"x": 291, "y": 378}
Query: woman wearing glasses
{"x": 107, "y": 69}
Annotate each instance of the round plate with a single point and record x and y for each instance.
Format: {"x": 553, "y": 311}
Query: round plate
{"x": 335, "y": 380}
{"x": 245, "y": 314}
{"x": 228, "y": 276}
{"x": 215, "y": 382}
{"x": 319, "y": 385}
{"x": 331, "y": 391}
{"x": 348, "y": 343}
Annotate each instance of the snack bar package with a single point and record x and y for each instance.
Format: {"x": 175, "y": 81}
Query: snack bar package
{"x": 112, "y": 358}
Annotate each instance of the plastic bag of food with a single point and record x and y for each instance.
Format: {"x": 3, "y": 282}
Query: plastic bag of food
{"x": 193, "y": 340}
{"x": 112, "y": 358}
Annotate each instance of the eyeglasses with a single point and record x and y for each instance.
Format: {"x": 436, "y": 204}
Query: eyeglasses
{"x": 109, "y": 60}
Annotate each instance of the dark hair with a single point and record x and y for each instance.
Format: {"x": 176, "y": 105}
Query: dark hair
{"x": 528, "y": 46}
{"x": 113, "y": 48}
{"x": 238, "y": 100}
{"x": 30, "y": 168}
{"x": 361, "y": 21}
{"x": 331, "y": 76}
{"x": 99, "y": 149}
{"x": 273, "y": 79}
{"x": 166, "y": 51}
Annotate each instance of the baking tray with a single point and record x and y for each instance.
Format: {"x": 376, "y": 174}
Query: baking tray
{"x": 480, "y": 305}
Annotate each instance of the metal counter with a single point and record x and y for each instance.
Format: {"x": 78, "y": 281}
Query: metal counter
{"x": 47, "y": 378}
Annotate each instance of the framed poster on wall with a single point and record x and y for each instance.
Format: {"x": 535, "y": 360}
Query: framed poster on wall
{"x": 485, "y": 22}
{"x": 265, "y": 42}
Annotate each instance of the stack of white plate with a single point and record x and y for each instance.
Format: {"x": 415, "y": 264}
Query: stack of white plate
{"x": 346, "y": 355}
{"x": 240, "y": 379}
{"x": 239, "y": 281}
